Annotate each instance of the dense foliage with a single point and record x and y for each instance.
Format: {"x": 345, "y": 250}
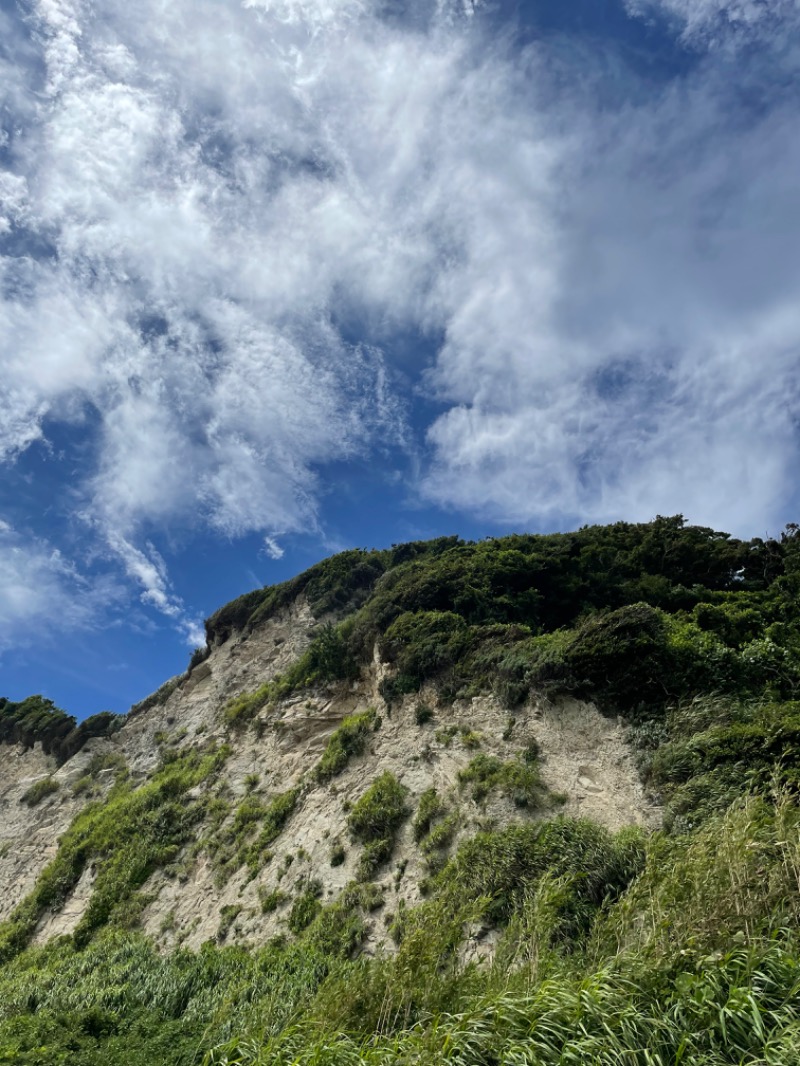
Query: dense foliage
{"x": 636, "y": 616}
{"x": 674, "y": 948}
{"x": 37, "y": 719}
{"x": 696, "y": 961}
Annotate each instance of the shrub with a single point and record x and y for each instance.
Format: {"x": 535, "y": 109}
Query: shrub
{"x": 45, "y": 786}
{"x": 446, "y": 734}
{"x": 329, "y": 656}
{"x": 423, "y": 643}
{"x": 270, "y": 901}
{"x": 199, "y": 655}
{"x": 84, "y": 785}
{"x": 520, "y": 781}
{"x": 305, "y": 907}
{"x": 501, "y": 866}
{"x": 380, "y": 811}
{"x": 749, "y": 745}
{"x": 273, "y": 820}
{"x": 339, "y": 929}
{"x": 346, "y": 742}
{"x": 375, "y": 820}
{"x": 470, "y": 739}
{"x": 243, "y": 708}
{"x": 430, "y": 808}
{"x": 435, "y": 844}
{"x": 228, "y": 915}
{"x": 37, "y": 719}
{"x": 423, "y": 713}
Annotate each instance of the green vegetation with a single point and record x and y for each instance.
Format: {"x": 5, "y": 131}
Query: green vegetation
{"x": 437, "y": 840}
{"x": 326, "y": 659}
{"x": 375, "y": 820}
{"x": 38, "y": 720}
{"x": 636, "y": 616}
{"x": 423, "y": 713}
{"x": 696, "y": 956}
{"x": 345, "y": 743}
{"x": 306, "y": 905}
{"x": 45, "y": 786}
{"x": 519, "y": 780}
{"x": 430, "y": 808}
{"x": 339, "y": 929}
{"x": 678, "y": 947}
{"x": 445, "y": 735}
{"x": 270, "y": 901}
{"x": 89, "y": 785}
{"x": 127, "y": 836}
{"x": 159, "y": 697}
{"x": 335, "y": 584}
{"x": 245, "y": 838}
{"x": 227, "y": 916}
{"x": 434, "y": 827}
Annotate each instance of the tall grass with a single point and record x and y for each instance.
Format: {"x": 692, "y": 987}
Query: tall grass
{"x": 697, "y": 961}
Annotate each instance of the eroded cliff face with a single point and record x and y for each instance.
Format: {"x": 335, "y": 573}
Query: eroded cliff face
{"x": 205, "y": 892}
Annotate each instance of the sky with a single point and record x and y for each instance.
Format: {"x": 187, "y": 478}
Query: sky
{"x": 283, "y": 277}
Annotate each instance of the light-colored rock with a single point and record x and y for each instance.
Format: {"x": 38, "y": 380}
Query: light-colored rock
{"x": 584, "y": 756}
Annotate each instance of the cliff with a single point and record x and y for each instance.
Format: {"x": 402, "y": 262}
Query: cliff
{"x": 532, "y": 799}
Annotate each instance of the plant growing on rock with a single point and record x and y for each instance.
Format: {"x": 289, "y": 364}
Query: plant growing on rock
{"x": 375, "y": 820}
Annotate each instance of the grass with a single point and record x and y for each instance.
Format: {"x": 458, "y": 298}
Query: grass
{"x": 517, "y": 779}
{"x": 429, "y": 809}
{"x": 375, "y": 820}
{"x": 683, "y": 951}
{"x": 437, "y": 840}
{"x": 306, "y": 905}
{"x": 346, "y": 742}
{"x": 271, "y": 901}
{"x": 423, "y": 713}
{"x": 608, "y": 948}
{"x": 39, "y": 790}
{"x": 327, "y": 659}
{"x": 127, "y": 835}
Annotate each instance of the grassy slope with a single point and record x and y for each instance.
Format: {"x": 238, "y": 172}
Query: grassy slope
{"x": 680, "y": 948}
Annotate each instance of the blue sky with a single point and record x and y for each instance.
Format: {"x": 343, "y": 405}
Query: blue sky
{"x": 283, "y": 277}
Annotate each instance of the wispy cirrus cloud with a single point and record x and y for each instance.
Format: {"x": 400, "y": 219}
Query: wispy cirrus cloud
{"x": 715, "y": 22}
{"x": 217, "y": 218}
{"x": 639, "y": 352}
{"x": 42, "y": 594}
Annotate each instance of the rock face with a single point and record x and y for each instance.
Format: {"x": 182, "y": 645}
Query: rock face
{"x": 423, "y": 742}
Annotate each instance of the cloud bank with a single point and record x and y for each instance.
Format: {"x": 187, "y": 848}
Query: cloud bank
{"x": 216, "y": 218}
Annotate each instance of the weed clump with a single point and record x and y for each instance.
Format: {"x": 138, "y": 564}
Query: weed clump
{"x": 39, "y": 790}
{"x": 306, "y": 906}
{"x": 271, "y": 901}
{"x": 429, "y": 808}
{"x": 346, "y": 742}
{"x": 519, "y": 780}
{"x": 423, "y": 713}
{"x": 375, "y": 820}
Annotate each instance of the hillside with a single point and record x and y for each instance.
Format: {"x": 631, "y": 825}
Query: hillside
{"x": 531, "y": 799}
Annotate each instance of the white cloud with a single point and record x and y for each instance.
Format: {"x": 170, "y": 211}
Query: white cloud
{"x": 623, "y": 339}
{"x": 149, "y": 571}
{"x": 272, "y": 548}
{"x": 207, "y": 189}
{"x": 42, "y": 594}
{"x": 717, "y": 21}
